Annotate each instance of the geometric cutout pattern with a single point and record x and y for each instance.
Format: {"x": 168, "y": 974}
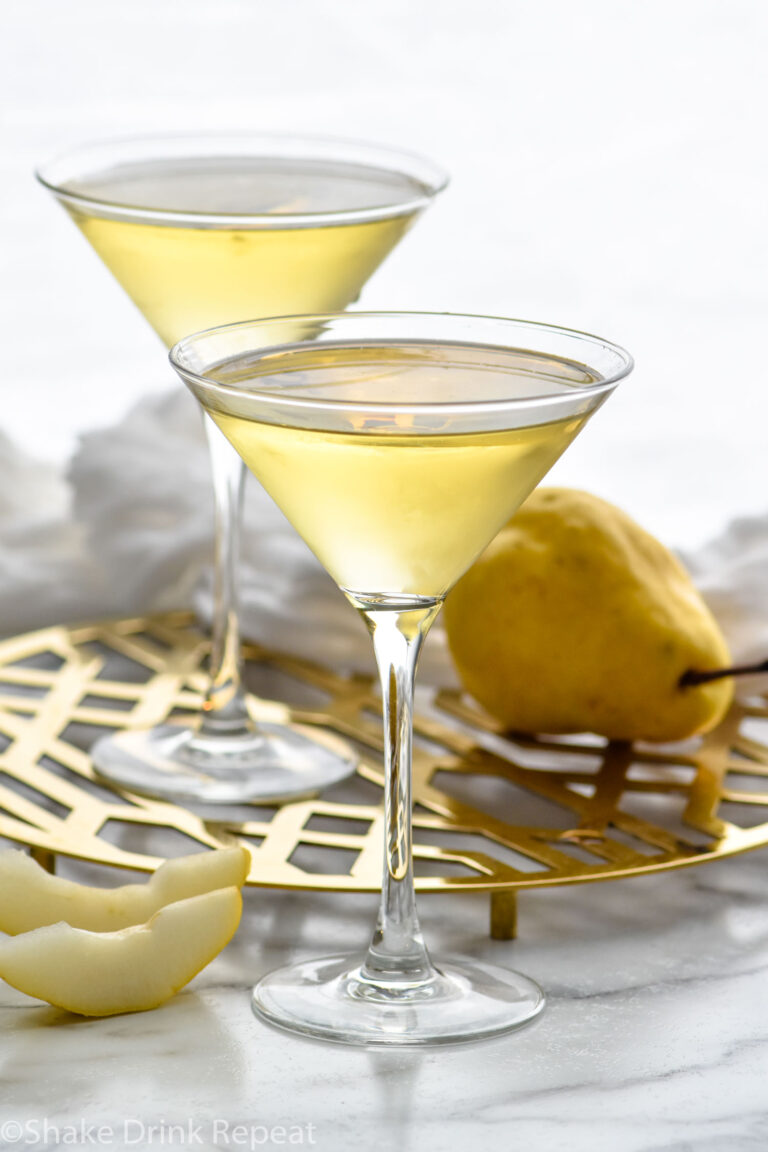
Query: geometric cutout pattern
{"x": 491, "y": 812}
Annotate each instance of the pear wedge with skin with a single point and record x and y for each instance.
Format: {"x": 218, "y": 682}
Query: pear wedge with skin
{"x": 133, "y": 970}
{"x": 31, "y": 898}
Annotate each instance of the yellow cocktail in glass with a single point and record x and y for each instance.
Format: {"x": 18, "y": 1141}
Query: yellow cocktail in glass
{"x": 398, "y": 445}
{"x": 204, "y": 230}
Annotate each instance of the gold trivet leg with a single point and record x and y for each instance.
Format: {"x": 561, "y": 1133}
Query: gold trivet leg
{"x": 503, "y": 915}
{"x": 44, "y": 858}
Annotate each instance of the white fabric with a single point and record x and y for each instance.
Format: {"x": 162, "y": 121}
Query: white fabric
{"x": 45, "y": 573}
{"x": 731, "y": 571}
{"x": 129, "y": 530}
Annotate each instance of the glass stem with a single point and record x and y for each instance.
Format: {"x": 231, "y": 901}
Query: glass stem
{"x": 397, "y": 957}
{"x": 225, "y": 710}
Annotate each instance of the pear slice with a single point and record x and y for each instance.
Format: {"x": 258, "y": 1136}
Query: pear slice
{"x": 31, "y": 898}
{"x": 105, "y": 973}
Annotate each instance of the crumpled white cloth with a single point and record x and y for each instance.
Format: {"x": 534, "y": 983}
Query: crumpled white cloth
{"x": 45, "y": 574}
{"x": 731, "y": 572}
{"x": 129, "y": 530}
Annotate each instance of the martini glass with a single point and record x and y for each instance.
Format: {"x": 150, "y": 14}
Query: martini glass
{"x": 203, "y": 230}
{"x": 398, "y": 445}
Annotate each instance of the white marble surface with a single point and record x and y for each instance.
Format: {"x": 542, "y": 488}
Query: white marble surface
{"x": 609, "y": 173}
{"x": 655, "y": 1038}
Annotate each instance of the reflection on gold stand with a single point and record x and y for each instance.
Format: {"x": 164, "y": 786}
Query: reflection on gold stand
{"x": 491, "y": 813}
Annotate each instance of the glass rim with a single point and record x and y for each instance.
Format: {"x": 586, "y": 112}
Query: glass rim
{"x": 450, "y": 407}
{"x": 434, "y": 179}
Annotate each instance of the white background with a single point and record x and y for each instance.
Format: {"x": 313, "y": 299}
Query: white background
{"x": 609, "y": 172}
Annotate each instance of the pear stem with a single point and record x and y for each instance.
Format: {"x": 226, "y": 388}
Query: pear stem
{"x": 691, "y": 678}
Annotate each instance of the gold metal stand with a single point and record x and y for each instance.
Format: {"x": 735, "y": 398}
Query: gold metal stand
{"x": 491, "y": 813}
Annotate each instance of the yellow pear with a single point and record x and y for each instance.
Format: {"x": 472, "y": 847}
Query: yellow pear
{"x": 137, "y": 968}
{"x": 31, "y": 898}
{"x": 575, "y": 619}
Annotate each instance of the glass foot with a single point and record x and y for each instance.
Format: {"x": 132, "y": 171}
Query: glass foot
{"x": 333, "y": 1000}
{"x": 272, "y": 763}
